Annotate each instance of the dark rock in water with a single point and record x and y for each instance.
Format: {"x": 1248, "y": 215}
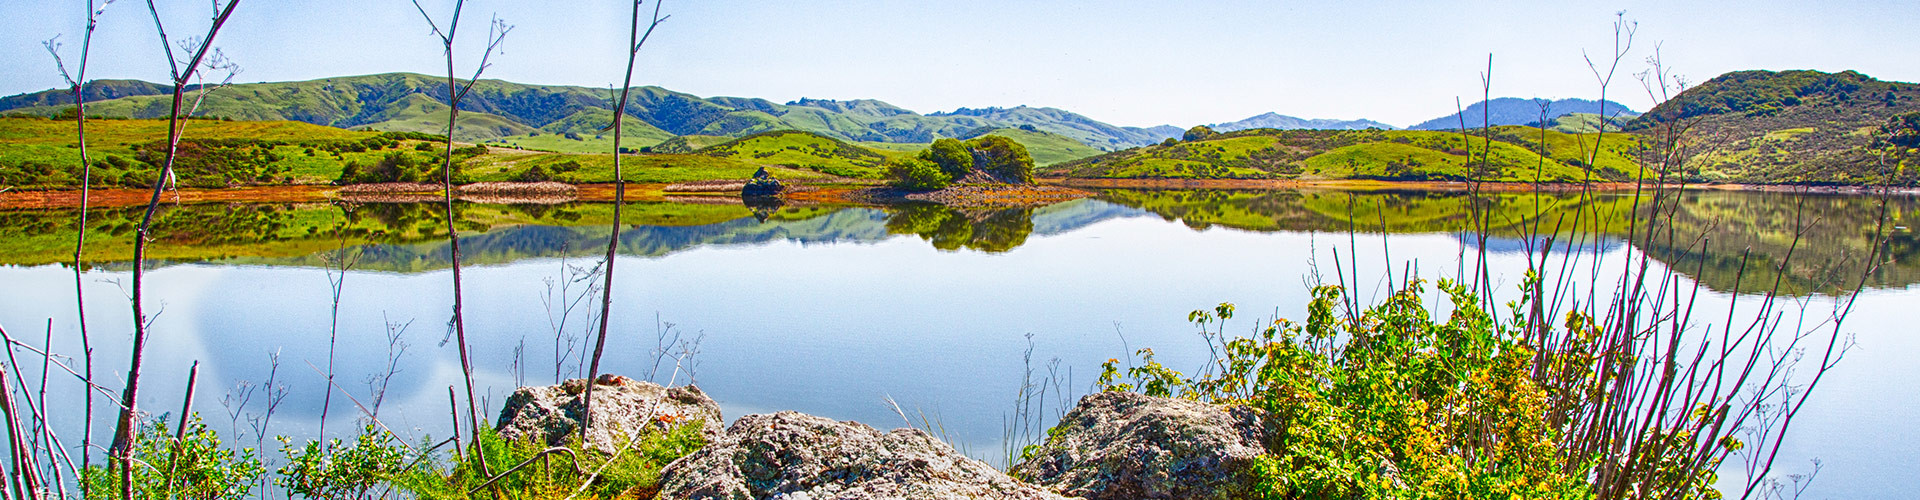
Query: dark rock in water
{"x": 794, "y": 456}
{"x": 762, "y": 184}
{"x": 621, "y": 408}
{"x": 1120, "y": 445}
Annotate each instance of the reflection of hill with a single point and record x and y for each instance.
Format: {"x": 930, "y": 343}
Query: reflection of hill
{"x": 1713, "y": 229}
{"x": 510, "y": 244}
{"x": 1829, "y": 256}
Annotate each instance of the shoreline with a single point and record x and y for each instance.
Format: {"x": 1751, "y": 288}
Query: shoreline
{"x": 1445, "y": 186}
{"x": 819, "y": 193}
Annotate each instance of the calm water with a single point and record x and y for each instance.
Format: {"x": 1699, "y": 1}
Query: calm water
{"x": 833, "y": 310}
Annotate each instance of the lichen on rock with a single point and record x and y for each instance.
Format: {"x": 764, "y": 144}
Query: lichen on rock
{"x": 622, "y": 407}
{"x": 1125, "y": 446}
{"x": 794, "y": 456}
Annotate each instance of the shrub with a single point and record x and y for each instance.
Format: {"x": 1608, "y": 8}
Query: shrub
{"x": 917, "y": 174}
{"x": 195, "y": 467}
{"x": 950, "y": 156}
{"x": 1003, "y": 157}
{"x": 536, "y": 173}
{"x": 335, "y": 470}
{"x": 1198, "y": 133}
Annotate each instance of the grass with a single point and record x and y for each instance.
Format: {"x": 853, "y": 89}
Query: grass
{"x": 802, "y": 151}
{"x": 1046, "y": 148}
{"x": 544, "y": 141}
{"x": 1363, "y": 154}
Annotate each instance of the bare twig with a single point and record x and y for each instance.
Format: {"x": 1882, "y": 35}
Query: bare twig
{"x": 497, "y": 32}
{"x": 124, "y": 425}
{"x": 636, "y": 40}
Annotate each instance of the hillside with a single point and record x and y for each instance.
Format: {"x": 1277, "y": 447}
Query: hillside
{"x": 41, "y": 153}
{"x": 1046, "y": 148}
{"x": 512, "y": 111}
{"x": 1284, "y": 122}
{"x": 1799, "y": 127}
{"x": 1517, "y": 111}
{"x": 1360, "y": 154}
{"x": 1080, "y": 128}
{"x": 801, "y": 150}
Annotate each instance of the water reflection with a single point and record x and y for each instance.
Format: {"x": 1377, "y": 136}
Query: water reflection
{"x": 1811, "y": 243}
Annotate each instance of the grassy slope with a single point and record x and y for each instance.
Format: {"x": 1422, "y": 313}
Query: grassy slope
{"x": 1046, "y": 148}
{"x": 688, "y": 143}
{"x": 1374, "y": 154}
{"x": 406, "y": 101}
{"x": 802, "y": 150}
{"x": 1785, "y": 127}
{"x": 34, "y": 140}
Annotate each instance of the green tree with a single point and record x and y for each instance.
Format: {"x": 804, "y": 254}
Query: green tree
{"x": 951, "y": 156}
{"x": 1003, "y": 157}
{"x": 1199, "y": 133}
{"x": 917, "y": 174}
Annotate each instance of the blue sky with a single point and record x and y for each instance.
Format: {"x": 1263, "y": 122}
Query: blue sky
{"x": 1125, "y": 62}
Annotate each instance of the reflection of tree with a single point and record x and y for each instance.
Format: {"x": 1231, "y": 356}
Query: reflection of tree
{"x": 1712, "y": 229}
{"x": 952, "y": 229}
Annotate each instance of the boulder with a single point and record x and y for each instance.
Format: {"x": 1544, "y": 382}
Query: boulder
{"x": 1121, "y": 445}
{"x": 621, "y": 407}
{"x": 761, "y": 185}
{"x": 794, "y": 456}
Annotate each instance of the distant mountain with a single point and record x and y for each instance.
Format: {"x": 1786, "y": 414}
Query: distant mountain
{"x": 1164, "y": 132}
{"x": 1517, "y": 111}
{"x": 98, "y": 90}
{"x": 499, "y": 109}
{"x": 1284, "y": 122}
{"x": 1059, "y": 121}
{"x": 1795, "y": 127}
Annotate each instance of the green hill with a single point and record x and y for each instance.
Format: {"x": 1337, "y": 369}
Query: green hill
{"x": 1046, "y": 148}
{"x": 1791, "y": 127}
{"x": 1360, "y": 154}
{"x": 498, "y": 109}
{"x": 802, "y": 150}
{"x": 37, "y": 153}
{"x": 41, "y": 153}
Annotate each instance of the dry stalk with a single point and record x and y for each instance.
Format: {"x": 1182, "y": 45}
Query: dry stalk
{"x": 636, "y": 40}
{"x": 124, "y": 425}
{"x": 496, "y": 33}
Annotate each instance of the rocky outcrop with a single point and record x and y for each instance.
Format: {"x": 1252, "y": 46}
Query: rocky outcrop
{"x": 794, "y": 456}
{"x": 1125, "y": 446}
{"x": 621, "y": 408}
{"x": 761, "y": 185}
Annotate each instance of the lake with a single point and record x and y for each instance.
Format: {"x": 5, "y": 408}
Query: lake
{"x": 835, "y": 310}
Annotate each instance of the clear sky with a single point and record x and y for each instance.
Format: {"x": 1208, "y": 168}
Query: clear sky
{"x": 1124, "y": 62}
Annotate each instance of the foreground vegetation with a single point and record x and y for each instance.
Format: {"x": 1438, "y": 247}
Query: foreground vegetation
{"x": 376, "y": 463}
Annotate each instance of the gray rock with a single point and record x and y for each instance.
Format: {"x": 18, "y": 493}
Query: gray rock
{"x": 794, "y": 456}
{"x": 1119, "y": 445}
{"x": 621, "y": 406}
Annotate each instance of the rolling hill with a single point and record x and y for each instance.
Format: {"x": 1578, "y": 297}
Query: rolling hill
{"x": 1791, "y": 127}
{"x": 1361, "y": 154}
{"x": 1284, "y": 122}
{"x": 498, "y": 109}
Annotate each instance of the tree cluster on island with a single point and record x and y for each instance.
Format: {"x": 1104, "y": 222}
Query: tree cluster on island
{"x": 949, "y": 161}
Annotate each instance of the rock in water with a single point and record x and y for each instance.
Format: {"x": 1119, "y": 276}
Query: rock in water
{"x": 793, "y": 456}
{"x": 621, "y": 407}
{"x": 762, "y": 184}
{"x": 1121, "y": 445}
